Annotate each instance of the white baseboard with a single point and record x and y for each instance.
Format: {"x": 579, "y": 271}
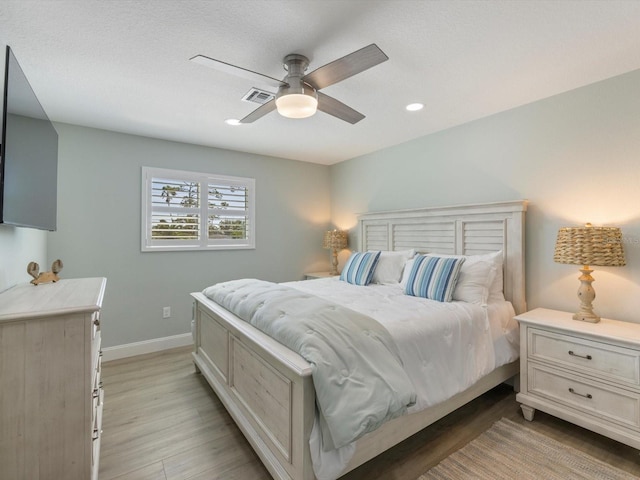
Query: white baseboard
{"x": 146, "y": 346}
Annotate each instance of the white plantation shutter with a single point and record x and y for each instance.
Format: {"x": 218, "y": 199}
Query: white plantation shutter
{"x": 175, "y": 210}
{"x": 195, "y": 211}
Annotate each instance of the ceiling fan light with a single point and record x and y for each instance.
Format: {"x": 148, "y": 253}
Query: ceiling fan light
{"x": 297, "y": 105}
{"x": 414, "y": 107}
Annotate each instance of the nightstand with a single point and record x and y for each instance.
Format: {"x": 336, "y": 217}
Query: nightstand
{"x": 585, "y": 373}
{"x": 314, "y": 275}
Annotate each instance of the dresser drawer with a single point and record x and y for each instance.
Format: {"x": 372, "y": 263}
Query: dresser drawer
{"x": 97, "y": 386}
{"x": 615, "y": 364}
{"x": 96, "y": 352}
{"x": 96, "y": 417}
{"x": 96, "y": 434}
{"x": 603, "y": 401}
{"x": 95, "y": 324}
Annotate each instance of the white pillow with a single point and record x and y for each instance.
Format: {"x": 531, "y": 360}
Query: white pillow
{"x": 480, "y": 279}
{"x": 474, "y": 282}
{"x": 496, "y": 289}
{"x": 391, "y": 265}
{"x": 406, "y": 272}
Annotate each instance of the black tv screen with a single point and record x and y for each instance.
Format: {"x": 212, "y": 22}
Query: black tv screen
{"x": 28, "y": 155}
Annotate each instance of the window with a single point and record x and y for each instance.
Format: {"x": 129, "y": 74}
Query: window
{"x": 196, "y": 211}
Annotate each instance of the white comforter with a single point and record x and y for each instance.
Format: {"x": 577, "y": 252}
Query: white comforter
{"x": 360, "y": 382}
{"x": 445, "y": 347}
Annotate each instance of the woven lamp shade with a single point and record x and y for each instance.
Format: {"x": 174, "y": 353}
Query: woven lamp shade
{"x": 598, "y": 246}
{"x": 335, "y": 239}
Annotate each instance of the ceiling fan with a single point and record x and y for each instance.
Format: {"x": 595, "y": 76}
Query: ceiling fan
{"x": 298, "y": 95}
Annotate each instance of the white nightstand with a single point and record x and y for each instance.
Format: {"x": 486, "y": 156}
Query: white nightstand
{"x": 585, "y": 373}
{"x": 314, "y": 275}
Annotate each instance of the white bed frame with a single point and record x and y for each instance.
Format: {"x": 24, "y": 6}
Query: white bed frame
{"x": 268, "y": 389}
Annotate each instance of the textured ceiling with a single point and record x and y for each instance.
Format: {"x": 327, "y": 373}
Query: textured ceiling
{"x": 124, "y": 65}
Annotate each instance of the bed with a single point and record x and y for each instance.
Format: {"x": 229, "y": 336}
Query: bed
{"x": 268, "y": 388}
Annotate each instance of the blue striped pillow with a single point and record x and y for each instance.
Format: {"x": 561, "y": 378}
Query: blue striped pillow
{"x": 359, "y": 268}
{"x": 434, "y": 277}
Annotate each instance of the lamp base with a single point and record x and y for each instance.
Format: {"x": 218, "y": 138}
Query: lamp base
{"x": 586, "y": 317}
{"x": 586, "y": 294}
{"x": 334, "y": 262}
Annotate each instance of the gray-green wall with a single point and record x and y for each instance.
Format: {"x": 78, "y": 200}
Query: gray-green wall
{"x": 574, "y": 156}
{"x": 18, "y": 247}
{"x": 99, "y": 227}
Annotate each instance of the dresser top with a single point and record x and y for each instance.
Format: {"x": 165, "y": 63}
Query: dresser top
{"x": 63, "y": 297}
{"x": 625, "y": 332}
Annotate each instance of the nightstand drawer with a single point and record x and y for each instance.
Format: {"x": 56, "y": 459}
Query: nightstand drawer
{"x": 609, "y": 403}
{"x": 605, "y": 361}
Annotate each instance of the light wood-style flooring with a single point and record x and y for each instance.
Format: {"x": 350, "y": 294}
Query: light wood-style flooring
{"x": 162, "y": 421}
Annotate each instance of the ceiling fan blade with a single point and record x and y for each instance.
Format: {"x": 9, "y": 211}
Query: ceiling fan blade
{"x": 237, "y": 71}
{"x": 346, "y": 67}
{"x": 338, "y": 109}
{"x": 260, "y": 112}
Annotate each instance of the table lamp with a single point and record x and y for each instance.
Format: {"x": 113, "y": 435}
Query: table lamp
{"x": 335, "y": 240}
{"x": 589, "y": 245}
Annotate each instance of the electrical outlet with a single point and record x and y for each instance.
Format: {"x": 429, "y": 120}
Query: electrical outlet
{"x": 166, "y": 312}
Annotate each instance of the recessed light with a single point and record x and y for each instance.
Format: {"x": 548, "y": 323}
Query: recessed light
{"x": 414, "y": 107}
{"x": 232, "y": 121}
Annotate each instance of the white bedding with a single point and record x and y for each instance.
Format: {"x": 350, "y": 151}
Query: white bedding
{"x": 445, "y": 347}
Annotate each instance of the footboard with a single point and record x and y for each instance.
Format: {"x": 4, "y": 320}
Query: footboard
{"x": 266, "y": 388}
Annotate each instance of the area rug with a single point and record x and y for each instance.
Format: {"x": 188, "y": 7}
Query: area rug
{"x": 509, "y": 451}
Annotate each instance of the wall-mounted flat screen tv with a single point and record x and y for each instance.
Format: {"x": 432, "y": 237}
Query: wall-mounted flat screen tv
{"x": 28, "y": 155}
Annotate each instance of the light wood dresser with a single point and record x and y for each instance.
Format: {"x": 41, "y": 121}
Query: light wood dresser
{"x": 50, "y": 390}
{"x": 585, "y": 373}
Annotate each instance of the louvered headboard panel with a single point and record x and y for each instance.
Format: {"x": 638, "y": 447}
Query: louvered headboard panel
{"x": 461, "y": 230}
{"x": 377, "y": 236}
{"x": 432, "y": 236}
{"x": 483, "y": 236}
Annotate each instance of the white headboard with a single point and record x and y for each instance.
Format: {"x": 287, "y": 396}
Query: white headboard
{"x": 459, "y": 230}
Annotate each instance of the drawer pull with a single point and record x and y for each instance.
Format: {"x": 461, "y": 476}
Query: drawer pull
{"x": 96, "y": 322}
{"x": 588, "y": 395}
{"x": 588, "y": 357}
{"x": 96, "y": 393}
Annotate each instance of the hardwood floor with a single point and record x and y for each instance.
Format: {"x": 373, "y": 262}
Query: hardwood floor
{"x": 162, "y": 421}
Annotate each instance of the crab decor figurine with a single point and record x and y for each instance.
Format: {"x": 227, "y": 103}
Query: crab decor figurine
{"x": 33, "y": 269}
